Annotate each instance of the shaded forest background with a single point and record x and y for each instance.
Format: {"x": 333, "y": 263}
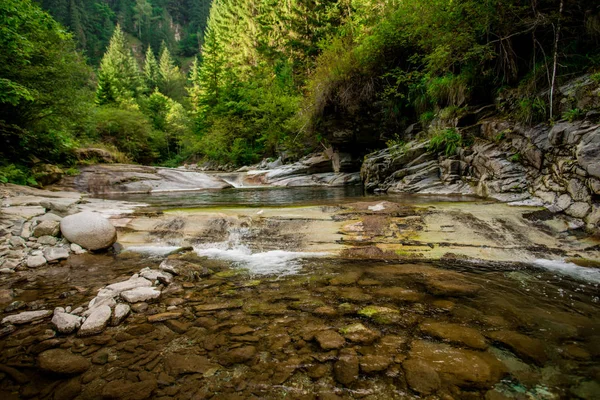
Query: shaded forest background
{"x": 233, "y": 81}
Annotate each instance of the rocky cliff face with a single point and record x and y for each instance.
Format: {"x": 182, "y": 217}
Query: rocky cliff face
{"x": 555, "y": 166}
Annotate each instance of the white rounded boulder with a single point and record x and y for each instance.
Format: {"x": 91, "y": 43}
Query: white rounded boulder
{"x": 89, "y": 230}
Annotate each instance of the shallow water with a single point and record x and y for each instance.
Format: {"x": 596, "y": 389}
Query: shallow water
{"x": 273, "y": 322}
{"x": 525, "y": 333}
{"x": 272, "y": 197}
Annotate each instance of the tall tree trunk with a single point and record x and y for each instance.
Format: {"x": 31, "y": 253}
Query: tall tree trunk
{"x": 555, "y": 64}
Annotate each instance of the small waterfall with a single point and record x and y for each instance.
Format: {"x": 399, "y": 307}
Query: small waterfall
{"x": 273, "y": 262}
{"x": 591, "y": 275}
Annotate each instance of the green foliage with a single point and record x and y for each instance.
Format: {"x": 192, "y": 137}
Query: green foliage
{"x": 426, "y": 118}
{"x": 129, "y": 131}
{"x": 445, "y": 142}
{"x": 573, "y": 114}
{"x": 16, "y": 174}
{"x": 531, "y": 110}
{"x": 119, "y": 78}
{"x": 44, "y": 93}
{"x": 515, "y": 158}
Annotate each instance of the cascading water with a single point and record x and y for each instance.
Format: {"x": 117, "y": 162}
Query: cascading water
{"x": 273, "y": 262}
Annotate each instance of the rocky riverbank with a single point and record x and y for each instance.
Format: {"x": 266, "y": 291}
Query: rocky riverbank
{"x": 556, "y": 166}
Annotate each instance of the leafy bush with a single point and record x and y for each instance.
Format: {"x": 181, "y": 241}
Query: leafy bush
{"x": 573, "y": 114}
{"x": 531, "y": 110}
{"x": 129, "y": 131}
{"x": 426, "y": 118}
{"x": 16, "y": 174}
{"x": 445, "y": 142}
{"x": 516, "y": 158}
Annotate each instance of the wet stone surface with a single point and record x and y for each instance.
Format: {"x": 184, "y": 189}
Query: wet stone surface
{"x": 339, "y": 329}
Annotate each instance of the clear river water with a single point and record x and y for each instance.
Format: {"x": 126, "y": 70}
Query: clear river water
{"x": 278, "y": 321}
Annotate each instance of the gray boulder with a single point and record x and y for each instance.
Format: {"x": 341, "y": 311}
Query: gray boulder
{"x": 89, "y": 230}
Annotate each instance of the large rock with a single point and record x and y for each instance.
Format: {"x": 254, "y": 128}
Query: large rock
{"x": 62, "y": 362}
{"x": 89, "y": 230}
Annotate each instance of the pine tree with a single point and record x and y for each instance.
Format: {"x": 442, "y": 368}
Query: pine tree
{"x": 119, "y": 77}
{"x": 171, "y": 82}
{"x": 151, "y": 70}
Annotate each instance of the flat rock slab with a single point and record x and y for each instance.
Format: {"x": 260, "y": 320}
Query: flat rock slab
{"x": 464, "y": 368}
{"x": 180, "y": 364}
{"x": 62, "y": 362}
{"x": 217, "y": 307}
{"x": 140, "y": 294}
{"x": 96, "y": 322}
{"x": 529, "y": 349}
{"x": 52, "y": 254}
{"x": 454, "y": 333}
{"x": 128, "y": 285}
{"x": 26, "y": 317}
{"x": 24, "y": 211}
{"x": 164, "y": 316}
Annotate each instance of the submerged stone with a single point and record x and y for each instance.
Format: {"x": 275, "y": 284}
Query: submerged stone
{"x": 374, "y": 363}
{"x": 359, "y": 333}
{"x": 529, "y": 349}
{"x": 237, "y": 356}
{"x": 329, "y": 340}
{"x": 381, "y": 315}
{"x": 181, "y": 364}
{"x": 454, "y": 333}
{"x": 421, "y": 377}
{"x": 346, "y": 367}
{"x": 464, "y": 368}
{"x": 62, "y": 362}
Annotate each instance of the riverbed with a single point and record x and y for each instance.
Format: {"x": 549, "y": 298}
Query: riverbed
{"x": 322, "y": 293}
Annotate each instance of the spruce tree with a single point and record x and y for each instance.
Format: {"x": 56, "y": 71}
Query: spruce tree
{"x": 171, "y": 82}
{"x": 151, "y": 70}
{"x": 119, "y": 77}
